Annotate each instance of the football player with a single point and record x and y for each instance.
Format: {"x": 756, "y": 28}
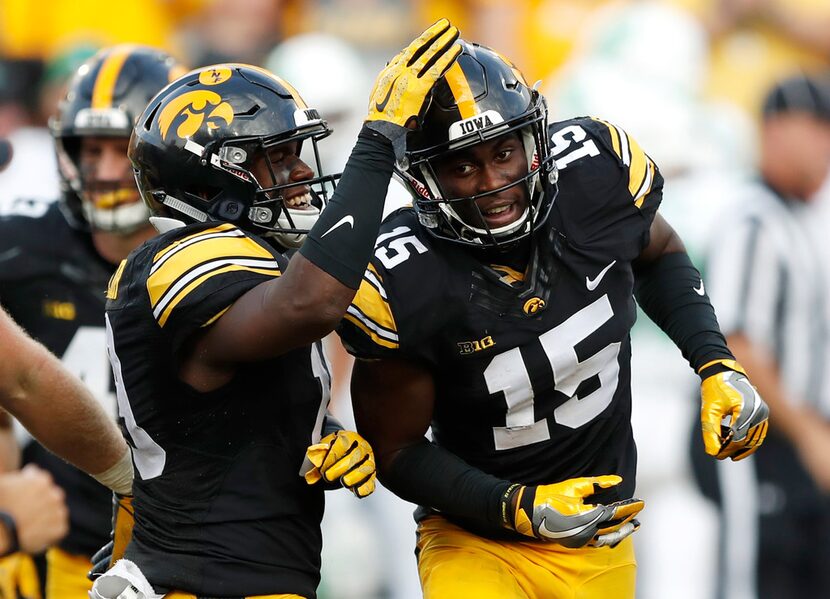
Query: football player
{"x": 214, "y": 337}
{"x": 497, "y": 312}
{"x": 62, "y": 414}
{"x": 56, "y": 259}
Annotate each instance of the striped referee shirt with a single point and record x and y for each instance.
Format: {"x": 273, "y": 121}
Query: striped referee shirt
{"x": 765, "y": 280}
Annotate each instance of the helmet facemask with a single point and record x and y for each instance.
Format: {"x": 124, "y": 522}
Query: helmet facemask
{"x": 443, "y": 214}
{"x": 111, "y": 204}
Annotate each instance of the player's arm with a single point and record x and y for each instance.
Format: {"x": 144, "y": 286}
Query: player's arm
{"x": 670, "y": 290}
{"x": 58, "y": 410}
{"x": 310, "y": 298}
{"x": 393, "y": 405}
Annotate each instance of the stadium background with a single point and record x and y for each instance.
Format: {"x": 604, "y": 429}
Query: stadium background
{"x": 684, "y": 77}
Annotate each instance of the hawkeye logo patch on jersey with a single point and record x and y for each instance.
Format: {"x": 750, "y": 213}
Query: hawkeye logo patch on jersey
{"x": 59, "y": 310}
{"x": 192, "y": 109}
{"x": 486, "y": 119}
{"x": 534, "y": 305}
{"x": 471, "y": 347}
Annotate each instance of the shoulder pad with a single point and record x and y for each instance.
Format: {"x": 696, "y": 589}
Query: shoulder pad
{"x": 187, "y": 266}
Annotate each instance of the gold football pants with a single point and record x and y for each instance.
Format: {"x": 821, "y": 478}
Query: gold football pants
{"x": 66, "y": 579}
{"x": 66, "y": 575}
{"x": 454, "y": 563}
{"x": 180, "y": 595}
{"x": 18, "y": 577}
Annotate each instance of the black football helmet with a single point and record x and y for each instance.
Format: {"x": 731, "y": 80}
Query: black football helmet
{"x": 194, "y": 148}
{"x": 104, "y": 98}
{"x": 481, "y": 97}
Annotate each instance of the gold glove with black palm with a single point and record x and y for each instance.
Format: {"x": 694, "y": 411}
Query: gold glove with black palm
{"x": 343, "y": 456}
{"x": 402, "y": 87}
{"x": 558, "y": 513}
{"x": 734, "y": 418}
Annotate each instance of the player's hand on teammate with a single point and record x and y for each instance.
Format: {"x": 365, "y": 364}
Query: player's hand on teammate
{"x": 733, "y": 417}
{"x": 343, "y": 456}
{"x": 558, "y": 512}
{"x": 402, "y": 87}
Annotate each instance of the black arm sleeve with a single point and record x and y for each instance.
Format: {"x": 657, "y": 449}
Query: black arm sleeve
{"x": 343, "y": 238}
{"x": 666, "y": 291}
{"x": 433, "y": 477}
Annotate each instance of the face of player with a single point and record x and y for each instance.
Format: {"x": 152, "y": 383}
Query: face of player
{"x": 281, "y": 165}
{"x": 482, "y": 168}
{"x": 108, "y": 181}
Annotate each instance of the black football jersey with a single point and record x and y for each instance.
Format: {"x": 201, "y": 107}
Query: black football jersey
{"x": 53, "y": 283}
{"x": 531, "y": 370}
{"x": 221, "y": 508}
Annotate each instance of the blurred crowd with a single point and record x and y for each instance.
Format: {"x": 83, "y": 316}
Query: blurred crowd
{"x": 694, "y": 81}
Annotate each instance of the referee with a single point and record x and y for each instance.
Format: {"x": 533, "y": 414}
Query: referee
{"x": 765, "y": 279}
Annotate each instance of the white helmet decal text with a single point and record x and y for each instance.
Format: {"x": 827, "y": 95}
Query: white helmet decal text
{"x": 486, "y": 119}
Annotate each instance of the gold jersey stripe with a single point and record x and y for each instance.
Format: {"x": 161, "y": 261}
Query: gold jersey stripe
{"x": 508, "y": 275}
{"x": 647, "y": 185}
{"x": 615, "y": 136}
{"x": 638, "y": 170}
{"x": 371, "y": 301}
{"x": 377, "y": 339}
{"x": 216, "y": 317}
{"x": 200, "y": 254}
{"x": 112, "y": 286}
{"x": 165, "y": 314}
{"x": 221, "y": 228}
{"x": 460, "y": 88}
{"x": 108, "y": 76}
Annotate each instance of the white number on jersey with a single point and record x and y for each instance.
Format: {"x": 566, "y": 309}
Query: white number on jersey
{"x": 563, "y": 139}
{"x": 507, "y": 373}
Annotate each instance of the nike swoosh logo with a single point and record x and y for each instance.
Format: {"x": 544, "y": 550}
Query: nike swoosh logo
{"x": 381, "y": 106}
{"x": 346, "y": 220}
{"x": 591, "y": 284}
{"x": 700, "y": 290}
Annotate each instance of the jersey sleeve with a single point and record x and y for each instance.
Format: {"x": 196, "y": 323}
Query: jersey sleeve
{"x": 194, "y": 280}
{"x": 609, "y": 188}
{"x": 368, "y": 330}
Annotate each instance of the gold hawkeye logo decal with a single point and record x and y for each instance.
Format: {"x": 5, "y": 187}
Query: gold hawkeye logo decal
{"x": 197, "y": 107}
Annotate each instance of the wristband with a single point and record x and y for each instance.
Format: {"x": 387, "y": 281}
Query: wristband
{"x": 717, "y": 366}
{"x": 11, "y": 529}
{"x": 119, "y": 477}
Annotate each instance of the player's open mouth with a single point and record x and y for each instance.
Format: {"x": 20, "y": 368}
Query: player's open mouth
{"x": 300, "y": 202}
{"x": 501, "y": 214}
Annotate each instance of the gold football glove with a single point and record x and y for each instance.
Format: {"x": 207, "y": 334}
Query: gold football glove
{"x": 557, "y": 513}
{"x": 733, "y": 417}
{"x": 343, "y": 456}
{"x": 401, "y": 88}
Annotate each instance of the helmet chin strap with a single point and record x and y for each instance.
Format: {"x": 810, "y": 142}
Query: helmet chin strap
{"x": 498, "y": 232}
{"x": 301, "y": 219}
